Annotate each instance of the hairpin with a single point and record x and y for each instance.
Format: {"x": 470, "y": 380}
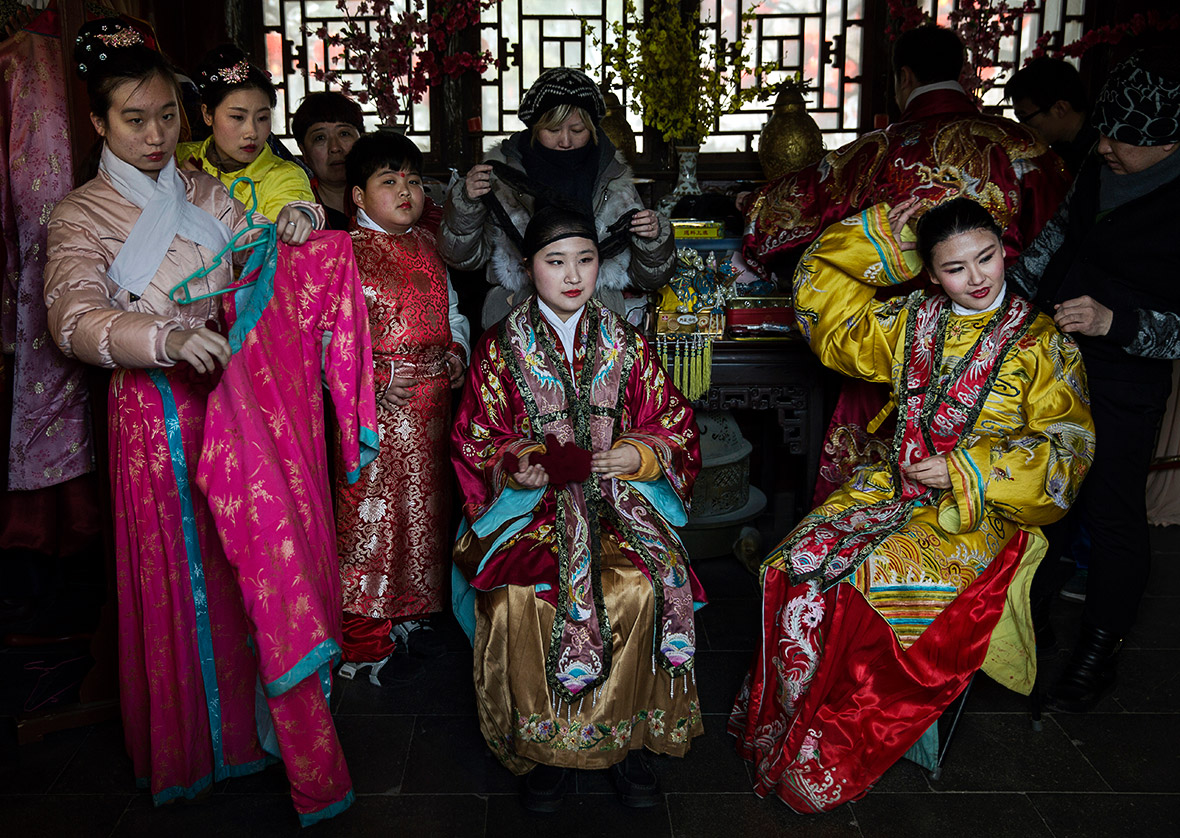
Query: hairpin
{"x": 234, "y": 74}
{"x": 127, "y": 37}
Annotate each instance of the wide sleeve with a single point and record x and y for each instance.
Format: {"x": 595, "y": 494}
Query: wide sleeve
{"x": 347, "y": 356}
{"x": 834, "y": 289}
{"x": 1044, "y": 183}
{"x": 83, "y": 317}
{"x": 1025, "y": 274}
{"x": 462, "y": 241}
{"x": 659, "y": 421}
{"x": 1031, "y": 476}
{"x": 1157, "y": 335}
{"x": 460, "y": 328}
{"x": 653, "y": 261}
{"x": 486, "y": 428}
{"x": 788, "y": 213}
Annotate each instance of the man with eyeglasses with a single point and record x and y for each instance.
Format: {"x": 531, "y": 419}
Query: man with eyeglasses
{"x": 1048, "y": 96}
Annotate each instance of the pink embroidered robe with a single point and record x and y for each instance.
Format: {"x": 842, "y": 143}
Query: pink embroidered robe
{"x": 264, "y": 470}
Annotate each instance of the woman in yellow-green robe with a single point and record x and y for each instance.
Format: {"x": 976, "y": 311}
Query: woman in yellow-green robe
{"x": 882, "y": 602}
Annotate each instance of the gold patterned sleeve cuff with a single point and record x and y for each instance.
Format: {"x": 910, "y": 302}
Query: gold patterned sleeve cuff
{"x": 649, "y": 467}
{"x": 512, "y": 484}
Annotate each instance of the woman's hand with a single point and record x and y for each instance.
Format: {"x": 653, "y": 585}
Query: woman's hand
{"x": 624, "y": 459}
{"x": 1085, "y": 315}
{"x": 455, "y": 370}
{"x": 899, "y": 216}
{"x": 202, "y": 348}
{"x": 294, "y": 226}
{"x": 645, "y": 224}
{"x": 531, "y": 477}
{"x": 932, "y": 472}
{"x": 478, "y": 181}
{"x": 398, "y": 393}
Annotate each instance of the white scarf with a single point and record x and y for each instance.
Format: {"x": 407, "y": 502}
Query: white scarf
{"x": 165, "y": 214}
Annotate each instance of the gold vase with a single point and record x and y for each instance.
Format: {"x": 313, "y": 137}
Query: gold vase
{"x": 790, "y": 139}
{"x": 616, "y": 127}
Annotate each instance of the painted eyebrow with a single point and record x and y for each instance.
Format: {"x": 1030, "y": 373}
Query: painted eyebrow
{"x": 989, "y": 249}
{"x": 144, "y": 110}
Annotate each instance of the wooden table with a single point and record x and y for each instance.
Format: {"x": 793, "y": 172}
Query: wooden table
{"x": 783, "y": 375}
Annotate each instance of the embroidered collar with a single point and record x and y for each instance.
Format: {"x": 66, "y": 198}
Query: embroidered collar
{"x": 567, "y": 331}
{"x": 963, "y": 311}
{"x": 364, "y": 221}
{"x": 930, "y": 88}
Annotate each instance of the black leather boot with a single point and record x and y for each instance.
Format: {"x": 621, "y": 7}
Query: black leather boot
{"x": 1090, "y": 672}
{"x": 544, "y": 788}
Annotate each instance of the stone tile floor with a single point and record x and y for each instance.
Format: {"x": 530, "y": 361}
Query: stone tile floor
{"x": 420, "y": 767}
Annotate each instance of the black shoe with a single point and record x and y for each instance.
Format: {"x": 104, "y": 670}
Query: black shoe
{"x": 418, "y": 638}
{"x": 544, "y": 787}
{"x": 635, "y": 781}
{"x": 1089, "y": 674}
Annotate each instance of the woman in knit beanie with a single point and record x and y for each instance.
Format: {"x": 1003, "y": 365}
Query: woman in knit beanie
{"x": 563, "y": 160}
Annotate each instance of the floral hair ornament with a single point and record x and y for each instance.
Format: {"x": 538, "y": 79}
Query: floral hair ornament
{"x": 100, "y": 37}
{"x": 233, "y": 74}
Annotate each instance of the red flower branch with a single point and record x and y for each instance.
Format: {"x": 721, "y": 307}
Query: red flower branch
{"x": 400, "y": 58}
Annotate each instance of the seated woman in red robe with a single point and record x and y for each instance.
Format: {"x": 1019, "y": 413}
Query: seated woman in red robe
{"x": 576, "y": 458}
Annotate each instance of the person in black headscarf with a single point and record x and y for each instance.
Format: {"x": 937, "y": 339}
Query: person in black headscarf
{"x": 561, "y": 160}
{"x": 1105, "y": 268}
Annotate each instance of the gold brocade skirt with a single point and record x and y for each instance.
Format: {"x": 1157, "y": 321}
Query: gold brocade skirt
{"x": 634, "y": 708}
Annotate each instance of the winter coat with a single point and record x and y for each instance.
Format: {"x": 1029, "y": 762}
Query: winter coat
{"x": 469, "y": 238}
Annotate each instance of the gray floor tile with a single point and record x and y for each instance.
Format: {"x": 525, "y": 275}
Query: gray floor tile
{"x": 78, "y": 816}
{"x": 99, "y": 766}
{"x": 223, "y": 815}
{"x": 581, "y": 815}
{"x": 1104, "y": 815}
{"x": 445, "y": 685}
{"x": 448, "y": 756}
{"x": 32, "y": 768}
{"x": 940, "y": 815}
{"x": 711, "y": 815}
{"x": 409, "y": 816}
{"x": 903, "y": 776}
{"x": 1158, "y": 626}
{"x": 1001, "y": 752}
{"x": 376, "y": 748}
{"x": 1134, "y": 752}
{"x": 1149, "y": 681}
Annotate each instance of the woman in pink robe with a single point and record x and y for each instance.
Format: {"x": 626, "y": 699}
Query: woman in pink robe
{"x": 118, "y": 245}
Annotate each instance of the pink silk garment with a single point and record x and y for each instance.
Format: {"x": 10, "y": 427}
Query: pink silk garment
{"x": 186, "y": 673}
{"x": 392, "y": 524}
{"x": 51, "y": 441}
{"x": 264, "y": 469}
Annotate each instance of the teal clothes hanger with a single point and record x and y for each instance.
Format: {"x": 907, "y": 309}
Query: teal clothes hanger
{"x": 264, "y": 246}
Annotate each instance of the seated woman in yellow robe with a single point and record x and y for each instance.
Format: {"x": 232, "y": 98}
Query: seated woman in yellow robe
{"x": 881, "y": 604}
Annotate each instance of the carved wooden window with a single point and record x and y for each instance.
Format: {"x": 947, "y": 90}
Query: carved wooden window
{"x": 825, "y": 40}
